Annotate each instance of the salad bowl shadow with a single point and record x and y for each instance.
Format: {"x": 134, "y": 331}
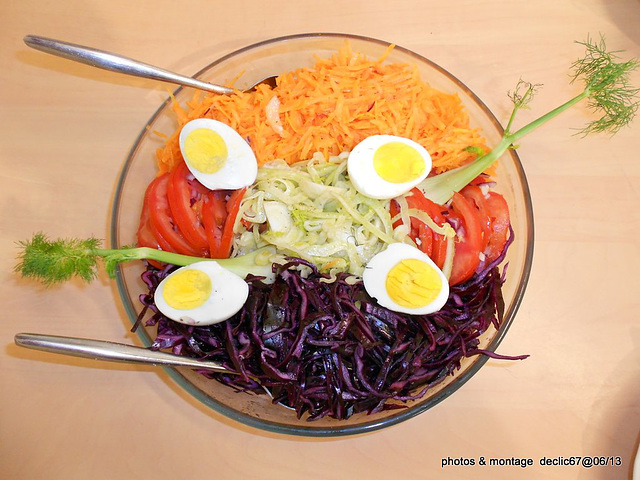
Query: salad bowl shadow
{"x": 256, "y": 62}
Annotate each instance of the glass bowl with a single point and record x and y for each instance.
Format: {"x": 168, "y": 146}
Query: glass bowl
{"x": 273, "y": 57}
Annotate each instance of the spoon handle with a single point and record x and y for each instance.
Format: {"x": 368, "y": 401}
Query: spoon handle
{"x": 114, "y": 352}
{"x": 117, "y": 63}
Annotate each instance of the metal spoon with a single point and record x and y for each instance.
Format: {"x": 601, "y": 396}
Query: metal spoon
{"x": 118, "y": 352}
{"x": 110, "y": 351}
{"x": 120, "y": 64}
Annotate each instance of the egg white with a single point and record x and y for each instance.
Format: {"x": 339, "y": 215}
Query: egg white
{"x": 376, "y": 272}
{"x": 228, "y": 295}
{"x": 364, "y": 176}
{"x": 241, "y": 167}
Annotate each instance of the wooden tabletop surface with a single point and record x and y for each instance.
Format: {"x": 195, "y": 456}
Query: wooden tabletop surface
{"x": 67, "y": 129}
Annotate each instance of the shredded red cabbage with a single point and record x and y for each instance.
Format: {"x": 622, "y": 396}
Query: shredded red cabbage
{"x": 328, "y": 348}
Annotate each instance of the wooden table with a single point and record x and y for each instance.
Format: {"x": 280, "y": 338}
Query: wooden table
{"x": 67, "y": 129}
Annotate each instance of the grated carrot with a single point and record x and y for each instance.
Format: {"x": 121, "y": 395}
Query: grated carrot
{"x": 334, "y": 105}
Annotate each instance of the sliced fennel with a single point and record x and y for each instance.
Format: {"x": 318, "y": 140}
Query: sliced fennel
{"x": 311, "y": 210}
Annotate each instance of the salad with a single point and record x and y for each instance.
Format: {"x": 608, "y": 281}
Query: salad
{"x": 336, "y": 240}
{"x": 376, "y": 291}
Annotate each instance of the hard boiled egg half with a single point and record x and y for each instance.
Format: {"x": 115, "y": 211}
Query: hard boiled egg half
{"x": 202, "y": 293}
{"x": 386, "y": 166}
{"x": 404, "y": 279}
{"x": 217, "y": 155}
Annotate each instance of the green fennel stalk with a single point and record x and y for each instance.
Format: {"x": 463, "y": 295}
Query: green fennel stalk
{"x": 56, "y": 261}
{"x": 606, "y": 87}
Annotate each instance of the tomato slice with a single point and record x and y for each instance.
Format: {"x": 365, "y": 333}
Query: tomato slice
{"x": 475, "y": 194}
{"x": 145, "y": 235}
{"x": 439, "y": 250}
{"x": 184, "y": 196}
{"x": 498, "y": 212}
{"x": 219, "y": 212}
{"x": 232, "y": 207}
{"x": 484, "y": 220}
{"x": 433, "y": 244}
{"x": 213, "y": 218}
{"x": 425, "y": 235}
{"x": 394, "y": 209}
{"x": 494, "y": 214}
{"x": 469, "y": 245}
{"x": 181, "y": 215}
{"x": 160, "y": 220}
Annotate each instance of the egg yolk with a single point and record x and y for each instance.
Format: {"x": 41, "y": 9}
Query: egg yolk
{"x": 205, "y": 150}
{"x": 413, "y": 283}
{"x": 187, "y": 289}
{"x": 397, "y": 162}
